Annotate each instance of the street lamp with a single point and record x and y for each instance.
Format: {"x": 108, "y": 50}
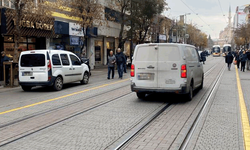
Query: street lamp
{"x": 185, "y": 41}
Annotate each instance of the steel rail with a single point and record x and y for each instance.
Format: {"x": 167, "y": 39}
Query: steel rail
{"x": 203, "y": 108}
{"x": 151, "y": 119}
{"x": 54, "y": 109}
{"x": 61, "y": 120}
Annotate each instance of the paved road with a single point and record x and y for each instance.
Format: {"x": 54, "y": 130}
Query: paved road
{"x": 98, "y": 115}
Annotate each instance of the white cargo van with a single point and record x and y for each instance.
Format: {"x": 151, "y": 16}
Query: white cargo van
{"x": 166, "y": 67}
{"x": 50, "y": 68}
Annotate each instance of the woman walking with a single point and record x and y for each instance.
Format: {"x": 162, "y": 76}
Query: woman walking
{"x": 229, "y": 59}
{"x": 237, "y": 58}
{"x": 243, "y": 59}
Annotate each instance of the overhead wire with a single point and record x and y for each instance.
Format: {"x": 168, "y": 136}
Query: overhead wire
{"x": 222, "y": 11}
{"x": 198, "y": 16}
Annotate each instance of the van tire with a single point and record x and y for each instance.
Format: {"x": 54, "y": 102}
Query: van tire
{"x": 85, "y": 79}
{"x": 189, "y": 95}
{"x": 58, "y": 84}
{"x": 141, "y": 95}
{"x": 26, "y": 88}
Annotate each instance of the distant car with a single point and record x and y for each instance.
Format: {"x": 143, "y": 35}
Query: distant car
{"x": 167, "y": 68}
{"x": 50, "y": 68}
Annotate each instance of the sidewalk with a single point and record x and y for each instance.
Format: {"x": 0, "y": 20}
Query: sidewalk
{"x": 221, "y": 126}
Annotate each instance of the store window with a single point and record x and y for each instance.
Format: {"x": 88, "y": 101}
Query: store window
{"x": 24, "y": 44}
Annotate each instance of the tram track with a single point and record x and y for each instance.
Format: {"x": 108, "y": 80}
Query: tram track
{"x": 202, "y": 110}
{"x": 98, "y": 105}
{"x": 128, "y": 138}
{"x": 57, "y": 111}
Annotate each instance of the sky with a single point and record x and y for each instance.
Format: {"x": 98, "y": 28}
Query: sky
{"x": 210, "y": 16}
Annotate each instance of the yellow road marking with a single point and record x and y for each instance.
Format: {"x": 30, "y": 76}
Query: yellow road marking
{"x": 57, "y": 98}
{"x": 244, "y": 116}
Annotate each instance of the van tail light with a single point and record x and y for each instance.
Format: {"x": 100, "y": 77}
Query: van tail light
{"x": 183, "y": 71}
{"x": 49, "y": 65}
{"x": 132, "y": 71}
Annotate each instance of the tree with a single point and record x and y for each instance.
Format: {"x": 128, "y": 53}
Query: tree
{"x": 145, "y": 16}
{"x": 25, "y": 9}
{"x": 124, "y": 7}
{"x": 196, "y": 37}
{"x": 88, "y": 12}
{"x": 242, "y": 35}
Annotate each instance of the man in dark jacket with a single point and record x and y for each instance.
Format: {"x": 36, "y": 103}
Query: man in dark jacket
{"x": 3, "y": 59}
{"x": 203, "y": 56}
{"x": 243, "y": 59}
{"x": 111, "y": 64}
{"x": 120, "y": 60}
{"x": 229, "y": 59}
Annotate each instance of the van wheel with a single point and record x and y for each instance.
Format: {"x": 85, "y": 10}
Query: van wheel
{"x": 26, "y": 88}
{"x": 85, "y": 79}
{"x": 189, "y": 96}
{"x": 58, "y": 84}
{"x": 141, "y": 95}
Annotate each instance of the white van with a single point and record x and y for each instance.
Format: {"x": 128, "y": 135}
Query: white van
{"x": 166, "y": 67}
{"x": 50, "y": 68}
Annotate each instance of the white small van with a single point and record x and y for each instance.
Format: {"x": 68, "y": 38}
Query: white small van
{"x": 50, "y": 68}
{"x": 167, "y": 68}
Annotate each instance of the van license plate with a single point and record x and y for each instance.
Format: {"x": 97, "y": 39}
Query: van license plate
{"x": 170, "y": 81}
{"x": 145, "y": 76}
{"x": 27, "y": 74}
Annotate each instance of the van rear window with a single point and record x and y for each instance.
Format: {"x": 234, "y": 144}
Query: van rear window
{"x": 147, "y": 53}
{"x": 33, "y": 60}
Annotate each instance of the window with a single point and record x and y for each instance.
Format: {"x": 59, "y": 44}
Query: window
{"x": 75, "y": 60}
{"x": 56, "y": 60}
{"x": 33, "y": 60}
{"x": 169, "y": 53}
{"x": 65, "y": 59}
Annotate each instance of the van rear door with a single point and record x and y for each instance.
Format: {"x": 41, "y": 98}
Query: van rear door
{"x": 145, "y": 63}
{"x": 33, "y": 67}
{"x": 169, "y": 65}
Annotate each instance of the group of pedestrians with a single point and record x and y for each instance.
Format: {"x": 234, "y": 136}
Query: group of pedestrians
{"x": 241, "y": 57}
{"x": 120, "y": 60}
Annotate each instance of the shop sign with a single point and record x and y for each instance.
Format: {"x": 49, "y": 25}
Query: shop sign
{"x": 74, "y": 40}
{"x": 162, "y": 37}
{"x": 75, "y": 29}
{"x": 35, "y": 25}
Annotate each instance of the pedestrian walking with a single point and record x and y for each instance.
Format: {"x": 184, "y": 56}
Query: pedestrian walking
{"x": 229, "y": 60}
{"x": 203, "y": 56}
{"x": 111, "y": 64}
{"x": 3, "y": 59}
{"x": 248, "y": 59}
{"x": 243, "y": 59}
{"x": 120, "y": 60}
{"x": 237, "y": 58}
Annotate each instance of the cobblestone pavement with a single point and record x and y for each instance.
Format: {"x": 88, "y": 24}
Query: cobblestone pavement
{"x": 101, "y": 127}
{"x": 220, "y": 128}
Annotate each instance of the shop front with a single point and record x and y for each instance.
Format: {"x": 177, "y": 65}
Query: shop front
{"x": 69, "y": 36}
{"x": 33, "y": 33}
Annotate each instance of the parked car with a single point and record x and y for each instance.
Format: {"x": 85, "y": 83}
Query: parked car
{"x": 50, "y": 68}
{"x": 167, "y": 68}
